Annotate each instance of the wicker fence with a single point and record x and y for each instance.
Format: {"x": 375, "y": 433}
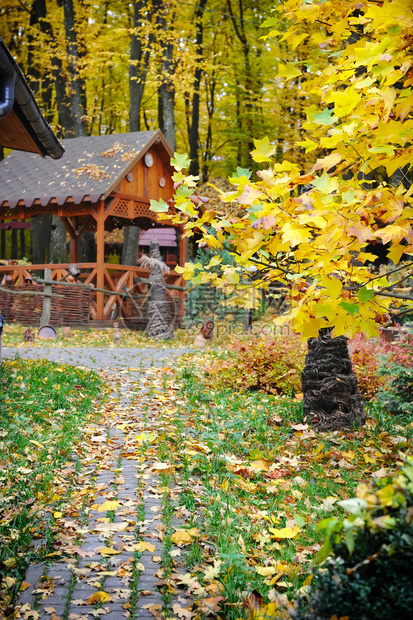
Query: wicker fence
{"x": 72, "y": 309}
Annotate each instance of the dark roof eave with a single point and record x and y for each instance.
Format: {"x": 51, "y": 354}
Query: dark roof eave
{"x": 27, "y": 108}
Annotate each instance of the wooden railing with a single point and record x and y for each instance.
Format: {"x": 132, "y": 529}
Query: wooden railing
{"x": 124, "y": 291}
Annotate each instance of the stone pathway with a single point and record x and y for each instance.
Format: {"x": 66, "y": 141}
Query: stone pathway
{"x": 75, "y": 590}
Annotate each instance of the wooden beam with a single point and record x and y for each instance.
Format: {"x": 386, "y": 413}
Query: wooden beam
{"x": 69, "y": 227}
{"x": 100, "y": 259}
{"x": 142, "y": 199}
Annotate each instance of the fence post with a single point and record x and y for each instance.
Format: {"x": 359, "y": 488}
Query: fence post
{"x": 47, "y": 300}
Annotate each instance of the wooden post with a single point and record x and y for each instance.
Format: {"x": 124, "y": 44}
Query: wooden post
{"x": 47, "y": 300}
{"x": 100, "y": 260}
{"x": 75, "y": 243}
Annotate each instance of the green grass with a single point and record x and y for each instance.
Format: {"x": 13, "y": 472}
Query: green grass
{"x": 43, "y": 406}
{"x": 224, "y": 446}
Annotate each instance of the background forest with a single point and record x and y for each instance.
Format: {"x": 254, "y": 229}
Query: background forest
{"x": 202, "y": 71}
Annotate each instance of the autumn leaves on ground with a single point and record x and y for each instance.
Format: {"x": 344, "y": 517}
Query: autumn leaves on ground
{"x": 244, "y": 481}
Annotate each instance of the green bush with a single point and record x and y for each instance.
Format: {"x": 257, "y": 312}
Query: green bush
{"x": 397, "y": 393}
{"x": 368, "y": 555}
{"x": 271, "y": 365}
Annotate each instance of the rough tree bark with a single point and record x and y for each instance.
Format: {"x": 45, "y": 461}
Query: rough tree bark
{"x": 40, "y": 237}
{"x": 130, "y": 245}
{"x": 138, "y": 66}
{"x": 58, "y": 252}
{"x": 194, "y": 130}
{"x": 160, "y": 322}
{"x": 166, "y": 107}
{"x": 76, "y": 86}
{"x": 41, "y": 85}
{"x": 331, "y": 397}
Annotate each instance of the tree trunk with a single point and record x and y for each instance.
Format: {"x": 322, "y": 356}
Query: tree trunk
{"x": 41, "y": 84}
{"x": 40, "y": 236}
{"x": 89, "y": 247}
{"x": 58, "y": 252}
{"x": 14, "y": 243}
{"x": 22, "y": 243}
{"x": 138, "y": 66}
{"x": 332, "y": 400}
{"x": 194, "y": 131}
{"x": 76, "y": 86}
{"x": 167, "y": 88}
{"x": 130, "y": 245}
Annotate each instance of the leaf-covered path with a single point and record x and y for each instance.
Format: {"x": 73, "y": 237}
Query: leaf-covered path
{"x": 113, "y": 543}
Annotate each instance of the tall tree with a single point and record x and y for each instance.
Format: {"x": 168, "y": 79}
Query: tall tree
{"x": 140, "y": 49}
{"x": 312, "y": 232}
{"x": 196, "y": 97}
{"x": 165, "y": 17}
{"x": 73, "y": 71}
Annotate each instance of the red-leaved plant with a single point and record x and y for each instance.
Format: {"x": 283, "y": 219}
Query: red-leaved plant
{"x": 271, "y": 365}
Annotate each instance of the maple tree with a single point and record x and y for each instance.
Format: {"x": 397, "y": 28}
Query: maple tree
{"x": 314, "y": 232}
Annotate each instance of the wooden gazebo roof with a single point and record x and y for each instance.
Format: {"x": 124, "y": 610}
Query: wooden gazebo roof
{"x": 102, "y": 183}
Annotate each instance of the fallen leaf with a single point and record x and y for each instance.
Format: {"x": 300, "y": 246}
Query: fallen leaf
{"x": 181, "y": 537}
{"x": 106, "y": 551}
{"x": 144, "y": 546}
{"x": 210, "y": 605}
{"x": 285, "y": 532}
{"x": 98, "y": 597}
{"x": 109, "y": 505}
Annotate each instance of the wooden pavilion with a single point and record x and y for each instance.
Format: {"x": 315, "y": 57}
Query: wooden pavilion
{"x": 101, "y": 183}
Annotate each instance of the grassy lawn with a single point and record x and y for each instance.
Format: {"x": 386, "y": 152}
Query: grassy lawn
{"x": 248, "y": 483}
{"x": 92, "y": 337}
{"x": 43, "y": 407}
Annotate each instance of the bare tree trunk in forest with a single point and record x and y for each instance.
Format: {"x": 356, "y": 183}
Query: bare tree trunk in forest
{"x": 210, "y": 104}
{"x": 138, "y": 69}
{"x": 167, "y": 88}
{"x": 89, "y": 247}
{"x": 58, "y": 252}
{"x": 130, "y": 245}
{"x": 138, "y": 66}
{"x": 14, "y": 243}
{"x": 160, "y": 322}
{"x": 40, "y": 234}
{"x": 40, "y": 84}
{"x": 22, "y": 243}
{"x": 332, "y": 400}
{"x": 194, "y": 132}
{"x": 76, "y": 86}
{"x": 246, "y": 146}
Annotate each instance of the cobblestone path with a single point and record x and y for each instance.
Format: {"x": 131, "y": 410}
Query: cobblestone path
{"x": 111, "y": 573}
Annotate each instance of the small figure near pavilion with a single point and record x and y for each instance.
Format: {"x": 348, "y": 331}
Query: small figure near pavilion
{"x": 160, "y": 321}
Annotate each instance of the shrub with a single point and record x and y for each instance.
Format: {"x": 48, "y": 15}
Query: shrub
{"x": 369, "y": 573}
{"x": 369, "y": 357}
{"x": 396, "y": 395}
{"x": 271, "y": 365}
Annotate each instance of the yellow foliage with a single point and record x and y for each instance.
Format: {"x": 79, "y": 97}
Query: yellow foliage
{"x": 314, "y": 234}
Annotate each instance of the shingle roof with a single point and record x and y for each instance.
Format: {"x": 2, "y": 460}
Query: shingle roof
{"x": 92, "y": 166}
{"x": 166, "y": 237}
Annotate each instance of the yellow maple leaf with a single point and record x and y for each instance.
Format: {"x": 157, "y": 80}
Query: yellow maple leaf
{"x": 263, "y": 150}
{"x": 144, "y": 546}
{"x": 146, "y": 437}
{"x": 181, "y": 537}
{"x": 109, "y": 505}
{"x": 284, "y": 532}
{"x": 98, "y": 597}
{"x": 106, "y": 551}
